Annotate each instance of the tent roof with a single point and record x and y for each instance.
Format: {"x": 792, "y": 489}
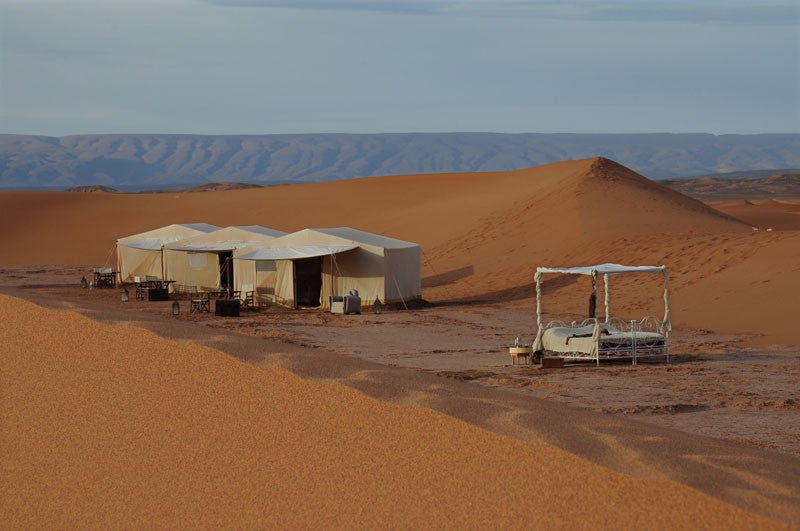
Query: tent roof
{"x": 602, "y": 269}
{"x": 170, "y": 233}
{"x": 292, "y": 253}
{"x": 201, "y": 227}
{"x": 227, "y": 239}
{"x": 150, "y": 244}
{"x": 258, "y": 229}
{"x": 367, "y": 238}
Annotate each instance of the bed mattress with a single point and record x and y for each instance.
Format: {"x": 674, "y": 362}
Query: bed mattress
{"x": 579, "y": 339}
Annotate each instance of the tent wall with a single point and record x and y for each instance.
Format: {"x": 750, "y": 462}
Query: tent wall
{"x": 140, "y": 263}
{"x": 192, "y": 269}
{"x": 272, "y": 280}
{"x": 403, "y": 273}
{"x": 281, "y": 282}
{"x": 360, "y": 269}
{"x": 244, "y": 273}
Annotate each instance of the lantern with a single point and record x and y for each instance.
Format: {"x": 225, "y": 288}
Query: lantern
{"x": 125, "y": 296}
{"x": 176, "y": 308}
{"x": 377, "y": 307}
{"x": 84, "y": 283}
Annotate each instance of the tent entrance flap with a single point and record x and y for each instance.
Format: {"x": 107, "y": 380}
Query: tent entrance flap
{"x": 308, "y": 282}
{"x": 226, "y": 282}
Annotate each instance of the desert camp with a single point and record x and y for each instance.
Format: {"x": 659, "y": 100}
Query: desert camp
{"x": 421, "y": 265}
{"x": 305, "y": 269}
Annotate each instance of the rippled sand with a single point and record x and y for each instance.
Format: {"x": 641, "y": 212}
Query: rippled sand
{"x": 115, "y": 426}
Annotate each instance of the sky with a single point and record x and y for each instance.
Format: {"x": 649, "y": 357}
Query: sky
{"x": 358, "y": 66}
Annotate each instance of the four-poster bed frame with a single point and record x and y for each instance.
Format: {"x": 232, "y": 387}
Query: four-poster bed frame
{"x": 612, "y": 338}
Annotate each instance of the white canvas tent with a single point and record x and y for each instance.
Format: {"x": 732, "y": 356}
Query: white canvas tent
{"x": 306, "y": 267}
{"x": 140, "y": 255}
{"x": 203, "y": 260}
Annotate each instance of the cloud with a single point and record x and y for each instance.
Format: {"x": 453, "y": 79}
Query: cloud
{"x": 698, "y": 11}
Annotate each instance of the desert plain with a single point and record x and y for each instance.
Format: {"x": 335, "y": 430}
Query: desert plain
{"x": 118, "y": 414}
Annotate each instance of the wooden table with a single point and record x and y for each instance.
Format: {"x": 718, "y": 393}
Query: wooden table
{"x": 520, "y": 353}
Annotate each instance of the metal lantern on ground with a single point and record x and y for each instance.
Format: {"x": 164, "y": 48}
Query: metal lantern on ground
{"x": 84, "y": 283}
{"x": 377, "y": 307}
{"x": 176, "y": 308}
{"x": 125, "y": 296}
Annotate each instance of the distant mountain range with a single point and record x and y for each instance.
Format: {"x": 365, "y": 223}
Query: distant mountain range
{"x": 141, "y": 161}
{"x": 208, "y": 187}
{"x": 723, "y": 187}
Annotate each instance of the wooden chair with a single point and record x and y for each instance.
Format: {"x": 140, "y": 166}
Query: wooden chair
{"x": 141, "y": 289}
{"x": 248, "y": 297}
{"x": 200, "y": 302}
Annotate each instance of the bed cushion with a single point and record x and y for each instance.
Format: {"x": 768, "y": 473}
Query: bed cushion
{"x": 579, "y": 339}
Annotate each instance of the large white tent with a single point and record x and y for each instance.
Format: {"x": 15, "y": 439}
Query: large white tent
{"x": 140, "y": 255}
{"x": 306, "y": 267}
{"x": 204, "y": 261}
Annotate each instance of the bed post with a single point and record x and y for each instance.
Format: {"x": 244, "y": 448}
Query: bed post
{"x": 666, "y": 325}
{"x": 537, "y": 344}
{"x": 605, "y": 290}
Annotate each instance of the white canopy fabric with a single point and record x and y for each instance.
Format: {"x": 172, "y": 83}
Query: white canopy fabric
{"x": 293, "y": 253}
{"x": 602, "y": 269}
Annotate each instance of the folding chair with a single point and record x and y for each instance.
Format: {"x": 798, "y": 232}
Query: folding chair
{"x": 248, "y": 297}
{"x": 140, "y": 289}
{"x": 200, "y": 303}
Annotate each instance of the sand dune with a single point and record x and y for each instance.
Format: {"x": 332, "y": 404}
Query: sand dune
{"x": 586, "y": 199}
{"x": 103, "y": 426}
{"x": 483, "y": 234}
{"x": 764, "y": 213}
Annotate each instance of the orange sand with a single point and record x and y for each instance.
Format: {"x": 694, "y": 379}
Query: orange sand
{"x": 483, "y": 234}
{"x": 765, "y": 213}
{"x": 112, "y": 426}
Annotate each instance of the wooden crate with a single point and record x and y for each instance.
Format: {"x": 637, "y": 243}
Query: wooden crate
{"x": 552, "y": 363}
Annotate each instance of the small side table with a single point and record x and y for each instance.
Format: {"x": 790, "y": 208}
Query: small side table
{"x": 520, "y": 355}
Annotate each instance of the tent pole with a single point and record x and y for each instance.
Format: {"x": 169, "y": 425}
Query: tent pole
{"x": 605, "y": 289}
{"x": 229, "y": 264}
{"x": 294, "y": 285}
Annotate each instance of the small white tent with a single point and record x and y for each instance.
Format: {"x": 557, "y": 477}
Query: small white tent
{"x": 306, "y": 267}
{"x": 140, "y": 255}
{"x": 204, "y": 261}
